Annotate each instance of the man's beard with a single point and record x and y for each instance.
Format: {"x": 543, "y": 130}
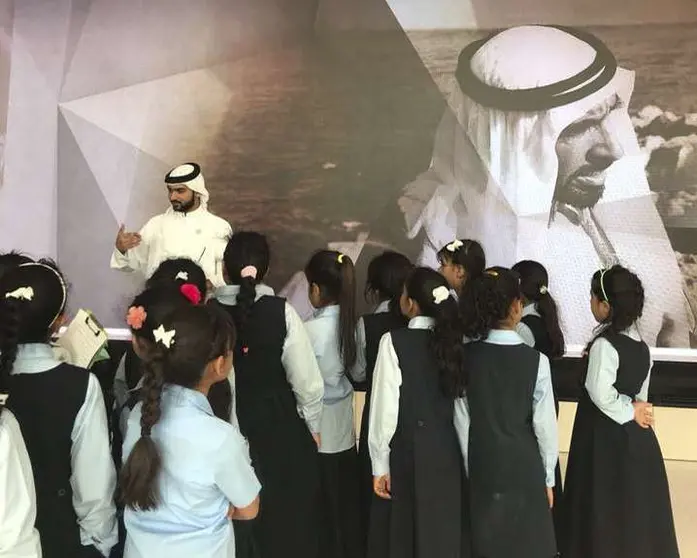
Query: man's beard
{"x": 183, "y": 207}
{"x": 581, "y": 191}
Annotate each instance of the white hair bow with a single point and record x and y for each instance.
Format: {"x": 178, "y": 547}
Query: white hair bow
{"x": 544, "y": 290}
{"x": 440, "y": 294}
{"x": 454, "y": 245}
{"x": 22, "y": 293}
{"x": 164, "y": 337}
{"x": 183, "y": 275}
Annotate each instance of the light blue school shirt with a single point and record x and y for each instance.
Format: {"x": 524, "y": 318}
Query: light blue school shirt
{"x": 205, "y": 468}
{"x": 336, "y": 425}
{"x": 544, "y": 416}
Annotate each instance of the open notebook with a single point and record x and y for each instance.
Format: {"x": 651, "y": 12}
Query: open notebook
{"x": 83, "y": 340}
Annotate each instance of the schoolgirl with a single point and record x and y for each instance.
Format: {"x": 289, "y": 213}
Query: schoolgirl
{"x": 387, "y": 273}
{"x": 332, "y": 331}
{"x": 278, "y": 396}
{"x": 66, "y": 437}
{"x": 416, "y": 461}
{"x": 617, "y": 501}
{"x": 187, "y": 473}
{"x": 511, "y": 446}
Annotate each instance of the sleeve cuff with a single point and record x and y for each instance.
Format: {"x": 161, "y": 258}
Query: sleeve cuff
{"x": 550, "y": 480}
{"x": 381, "y": 465}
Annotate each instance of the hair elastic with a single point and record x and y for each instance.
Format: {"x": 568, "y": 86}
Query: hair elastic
{"x": 340, "y": 258}
{"x": 440, "y": 294}
{"x": 249, "y": 271}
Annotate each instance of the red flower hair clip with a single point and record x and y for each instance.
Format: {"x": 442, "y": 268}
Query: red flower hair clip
{"x": 136, "y": 317}
{"x": 191, "y": 292}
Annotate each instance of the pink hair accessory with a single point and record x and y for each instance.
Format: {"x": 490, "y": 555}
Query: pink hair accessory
{"x": 136, "y": 317}
{"x": 191, "y": 292}
{"x": 249, "y": 271}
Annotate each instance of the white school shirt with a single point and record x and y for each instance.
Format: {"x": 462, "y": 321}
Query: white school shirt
{"x": 523, "y": 330}
{"x": 198, "y": 235}
{"x": 205, "y": 468}
{"x": 603, "y": 363}
{"x": 358, "y": 372}
{"x": 298, "y": 358}
{"x": 384, "y": 400}
{"x": 544, "y": 416}
{"x": 18, "y": 537}
{"x": 93, "y": 478}
{"x": 336, "y": 427}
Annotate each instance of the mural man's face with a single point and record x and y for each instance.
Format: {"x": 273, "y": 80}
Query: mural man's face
{"x": 585, "y": 149}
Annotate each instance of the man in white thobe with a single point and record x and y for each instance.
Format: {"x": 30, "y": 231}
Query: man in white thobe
{"x": 186, "y": 230}
{"x": 536, "y": 158}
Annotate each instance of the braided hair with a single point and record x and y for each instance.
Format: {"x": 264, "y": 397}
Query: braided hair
{"x": 246, "y": 261}
{"x": 194, "y": 337}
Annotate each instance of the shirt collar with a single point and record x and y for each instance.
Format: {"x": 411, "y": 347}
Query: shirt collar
{"x": 187, "y": 397}
{"x": 383, "y": 307}
{"x": 504, "y": 337}
{"x": 227, "y": 294}
{"x": 421, "y": 322}
{"x": 530, "y": 310}
{"x": 331, "y": 310}
{"x": 200, "y": 210}
{"x": 34, "y": 358}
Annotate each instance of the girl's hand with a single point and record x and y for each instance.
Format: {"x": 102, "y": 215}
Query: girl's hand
{"x": 643, "y": 414}
{"x": 550, "y": 497}
{"x": 382, "y": 487}
{"x": 317, "y": 439}
{"x": 231, "y": 512}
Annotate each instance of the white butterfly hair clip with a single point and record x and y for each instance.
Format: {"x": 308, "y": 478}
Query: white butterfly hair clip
{"x": 454, "y": 245}
{"x": 163, "y": 336}
{"x": 22, "y": 293}
{"x": 183, "y": 275}
{"x": 440, "y": 294}
{"x": 544, "y": 290}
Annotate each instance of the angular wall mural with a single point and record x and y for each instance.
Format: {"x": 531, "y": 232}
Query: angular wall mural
{"x": 321, "y": 124}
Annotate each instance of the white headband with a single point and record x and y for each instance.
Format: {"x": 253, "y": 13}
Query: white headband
{"x": 60, "y": 279}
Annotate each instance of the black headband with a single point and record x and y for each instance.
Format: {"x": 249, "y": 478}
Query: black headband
{"x": 545, "y": 97}
{"x": 169, "y": 179}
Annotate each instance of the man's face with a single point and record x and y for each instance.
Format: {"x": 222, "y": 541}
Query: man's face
{"x": 585, "y": 149}
{"x": 181, "y": 198}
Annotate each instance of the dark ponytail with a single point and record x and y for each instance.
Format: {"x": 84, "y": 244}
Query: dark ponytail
{"x": 246, "y": 259}
{"x": 487, "y": 302}
{"x": 334, "y": 274}
{"x": 423, "y": 286}
{"x": 386, "y": 276}
{"x": 534, "y": 285}
{"x": 142, "y": 468}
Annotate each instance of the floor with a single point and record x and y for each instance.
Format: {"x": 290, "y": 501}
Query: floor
{"x": 682, "y": 476}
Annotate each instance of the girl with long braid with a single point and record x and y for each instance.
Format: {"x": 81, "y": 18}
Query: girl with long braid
{"x": 187, "y": 473}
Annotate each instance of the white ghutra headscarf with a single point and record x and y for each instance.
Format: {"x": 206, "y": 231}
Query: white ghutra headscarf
{"x": 494, "y": 170}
